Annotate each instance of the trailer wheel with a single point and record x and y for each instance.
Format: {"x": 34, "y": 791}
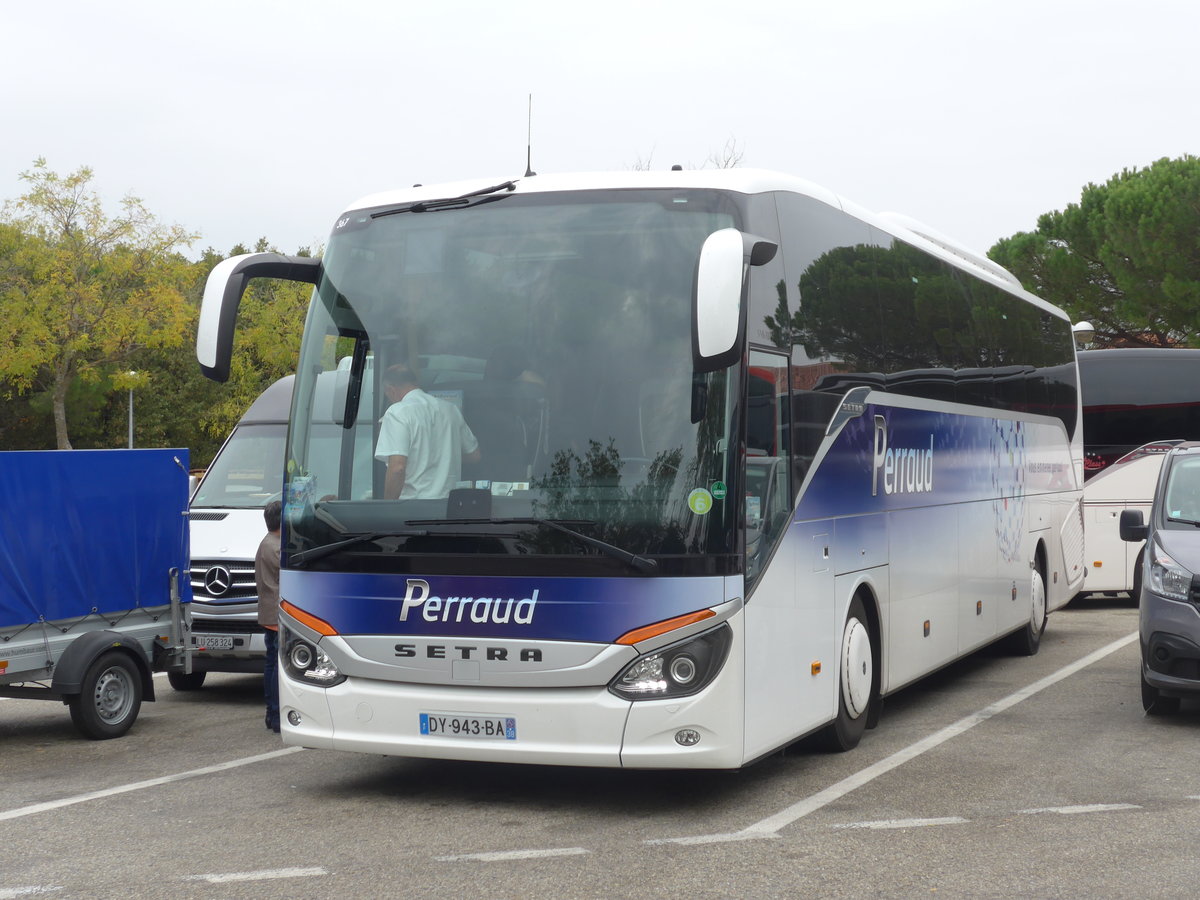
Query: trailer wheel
{"x": 109, "y": 699}
{"x": 191, "y": 681}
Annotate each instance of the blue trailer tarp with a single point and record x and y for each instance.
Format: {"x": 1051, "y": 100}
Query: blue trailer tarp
{"x": 85, "y": 531}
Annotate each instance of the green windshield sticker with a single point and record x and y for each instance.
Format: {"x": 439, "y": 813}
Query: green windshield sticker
{"x": 700, "y": 501}
{"x": 718, "y": 490}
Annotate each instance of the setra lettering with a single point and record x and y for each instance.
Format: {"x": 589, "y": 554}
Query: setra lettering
{"x": 463, "y": 651}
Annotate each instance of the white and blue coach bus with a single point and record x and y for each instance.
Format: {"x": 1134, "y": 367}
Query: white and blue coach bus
{"x": 751, "y": 460}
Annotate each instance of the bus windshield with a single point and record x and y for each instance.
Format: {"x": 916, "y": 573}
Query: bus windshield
{"x": 558, "y": 329}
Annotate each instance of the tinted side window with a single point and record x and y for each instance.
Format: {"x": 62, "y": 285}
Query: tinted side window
{"x": 824, "y": 310}
{"x": 768, "y": 494}
{"x": 861, "y": 307}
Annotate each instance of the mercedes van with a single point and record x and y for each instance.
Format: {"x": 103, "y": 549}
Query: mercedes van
{"x": 226, "y": 513}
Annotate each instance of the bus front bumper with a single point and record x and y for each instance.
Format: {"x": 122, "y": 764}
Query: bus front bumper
{"x": 586, "y": 726}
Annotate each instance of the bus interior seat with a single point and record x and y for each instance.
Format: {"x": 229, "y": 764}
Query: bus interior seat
{"x": 506, "y": 418}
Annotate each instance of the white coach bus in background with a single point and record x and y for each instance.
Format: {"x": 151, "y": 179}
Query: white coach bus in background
{"x": 752, "y": 458}
{"x": 1114, "y": 566}
{"x": 1136, "y": 396}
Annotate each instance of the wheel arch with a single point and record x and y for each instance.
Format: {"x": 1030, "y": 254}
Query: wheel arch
{"x": 1041, "y": 562}
{"x": 1040, "y": 558}
{"x": 866, "y": 590}
{"x": 871, "y": 587}
{"x": 870, "y": 601}
{"x": 86, "y": 649}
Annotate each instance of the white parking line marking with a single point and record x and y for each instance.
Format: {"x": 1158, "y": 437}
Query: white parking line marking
{"x": 502, "y": 855}
{"x": 769, "y": 827}
{"x": 141, "y": 785}
{"x": 1078, "y": 810}
{"x": 726, "y": 838}
{"x": 905, "y": 823}
{"x": 264, "y": 875}
{"x": 33, "y": 891}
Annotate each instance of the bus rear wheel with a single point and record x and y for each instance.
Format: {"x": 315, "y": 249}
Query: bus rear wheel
{"x": 856, "y": 682}
{"x": 1027, "y": 641}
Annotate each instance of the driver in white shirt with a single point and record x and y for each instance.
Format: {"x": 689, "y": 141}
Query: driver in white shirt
{"x": 423, "y": 439}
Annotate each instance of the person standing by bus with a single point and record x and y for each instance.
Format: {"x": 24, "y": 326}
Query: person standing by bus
{"x": 266, "y": 580}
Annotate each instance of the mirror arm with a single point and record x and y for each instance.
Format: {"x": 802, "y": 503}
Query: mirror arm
{"x": 223, "y": 295}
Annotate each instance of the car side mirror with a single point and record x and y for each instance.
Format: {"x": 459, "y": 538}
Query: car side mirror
{"x": 1132, "y": 526}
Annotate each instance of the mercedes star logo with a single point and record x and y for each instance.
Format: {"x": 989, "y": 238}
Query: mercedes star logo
{"x": 217, "y": 581}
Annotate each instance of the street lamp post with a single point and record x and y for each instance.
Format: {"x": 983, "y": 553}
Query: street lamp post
{"x": 131, "y": 375}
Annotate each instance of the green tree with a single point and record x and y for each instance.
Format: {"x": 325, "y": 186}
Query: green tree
{"x": 1126, "y": 257}
{"x": 82, "y": 292}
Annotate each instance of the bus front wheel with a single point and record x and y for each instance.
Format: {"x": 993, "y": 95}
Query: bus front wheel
{"x": 856, "y": 681}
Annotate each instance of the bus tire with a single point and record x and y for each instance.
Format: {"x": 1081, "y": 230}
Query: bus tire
{"x": 1027, "y": 641}
{"x": 856, "y": 682}
{"x": 110, "y": 697}
{"x": 186, "y": 681}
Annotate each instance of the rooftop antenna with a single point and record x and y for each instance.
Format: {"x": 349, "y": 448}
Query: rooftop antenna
{"x": 529, "y": 142}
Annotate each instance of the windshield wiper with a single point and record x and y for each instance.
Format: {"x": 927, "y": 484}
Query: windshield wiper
{"x": 474, "y": 198}
{"x": 641, "y": 563}
{"x": 314, "y": 553}
{"x": 1192, "y": 522}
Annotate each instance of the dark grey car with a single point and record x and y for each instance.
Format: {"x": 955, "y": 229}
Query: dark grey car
{"x": 1169, "y": 621}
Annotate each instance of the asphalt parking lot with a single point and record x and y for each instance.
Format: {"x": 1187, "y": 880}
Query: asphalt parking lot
{"x": 999, "y": 777}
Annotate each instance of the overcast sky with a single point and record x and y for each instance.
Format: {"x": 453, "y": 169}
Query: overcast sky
{"x": 241, "y": 119}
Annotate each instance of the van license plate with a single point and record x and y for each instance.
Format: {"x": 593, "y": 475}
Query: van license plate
{"x": 214, "y": 641}
{"x": 487, "y": 728}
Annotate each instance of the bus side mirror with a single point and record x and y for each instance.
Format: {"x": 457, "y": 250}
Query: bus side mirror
{"x": 718, "y": 308}
{"x": 1132, "y": 526}
{"x": 223, "y": 294}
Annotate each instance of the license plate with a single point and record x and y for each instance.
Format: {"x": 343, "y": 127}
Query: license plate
{"x": 213, "y": 641}
{"x": 485, "y": 728}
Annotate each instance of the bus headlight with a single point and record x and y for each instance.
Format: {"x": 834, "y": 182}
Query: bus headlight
{"x": 678, "y": 670}
{"x": 309, "y": 663}
{"x": 1168, "y": 578}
